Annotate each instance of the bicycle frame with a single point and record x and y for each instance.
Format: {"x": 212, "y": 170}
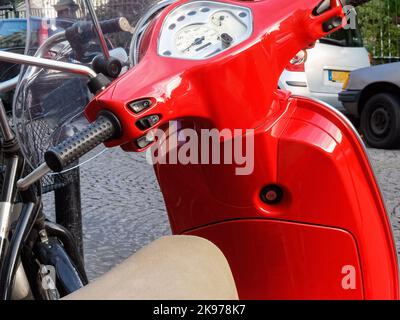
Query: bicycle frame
{"x": 13, "y": 170}
{"x": 14, "y": 164}
{"x": 31, "y": 204}
{"x": 73, "y": 274}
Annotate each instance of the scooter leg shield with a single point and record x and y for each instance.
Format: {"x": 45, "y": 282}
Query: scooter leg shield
{"x": 332, "y": 183}
{"x": 328, "y": 238}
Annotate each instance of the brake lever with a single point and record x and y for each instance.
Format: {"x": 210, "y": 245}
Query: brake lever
{"x": 25, "y": 183}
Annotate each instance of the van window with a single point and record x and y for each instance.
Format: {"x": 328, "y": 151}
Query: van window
{"x": 345, "y": 38}
{"x": 349, "y": 37}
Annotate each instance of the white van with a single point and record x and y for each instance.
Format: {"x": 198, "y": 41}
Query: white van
{"x": 321, "y": 71}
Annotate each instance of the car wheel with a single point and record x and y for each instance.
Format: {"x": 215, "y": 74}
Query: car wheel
{"x": 380, "y": 121}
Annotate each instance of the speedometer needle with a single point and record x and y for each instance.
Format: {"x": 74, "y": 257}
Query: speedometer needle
{"x": 196, "y": 42}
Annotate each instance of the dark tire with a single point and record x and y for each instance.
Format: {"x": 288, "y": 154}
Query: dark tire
{"x": 380, "y": 121}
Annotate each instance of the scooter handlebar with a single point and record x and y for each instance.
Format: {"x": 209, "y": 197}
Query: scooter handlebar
{"x": 106, "y": 127}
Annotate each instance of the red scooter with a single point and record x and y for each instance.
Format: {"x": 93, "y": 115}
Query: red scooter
{"x": 308, "y": 220}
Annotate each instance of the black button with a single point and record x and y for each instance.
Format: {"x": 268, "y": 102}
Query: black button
{"x": 147, "y": 122}
{"x": 140, "y": 105}
{"x": 144, "y": 141}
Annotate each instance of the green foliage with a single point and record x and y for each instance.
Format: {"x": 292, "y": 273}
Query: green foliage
{"x": 379, "y": 21}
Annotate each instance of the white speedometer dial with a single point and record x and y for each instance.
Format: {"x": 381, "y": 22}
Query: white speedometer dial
{"x": 193, "y": 39}
{"x": 202, "y": 29}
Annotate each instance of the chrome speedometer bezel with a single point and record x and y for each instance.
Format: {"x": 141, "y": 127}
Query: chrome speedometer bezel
{"x": 181, "y": 18}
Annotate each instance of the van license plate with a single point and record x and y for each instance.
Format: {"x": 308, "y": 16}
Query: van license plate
{"x": 338, "y": 76}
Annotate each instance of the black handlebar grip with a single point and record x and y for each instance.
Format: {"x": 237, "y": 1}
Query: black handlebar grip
{"x": 106, "y": 127}
{"x": 83, "y": 31}
{"x": 115, "y": 25}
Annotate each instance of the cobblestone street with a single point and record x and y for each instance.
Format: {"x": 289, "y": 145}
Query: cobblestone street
{"x": 122, "y": 206}
{"x": 123, "y": 209}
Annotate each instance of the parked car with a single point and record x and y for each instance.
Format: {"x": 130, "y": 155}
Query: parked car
{"x": 373, "y": 96}
{"x": 12, "y": 39}
{"x": 13, "y": 34}
{"x": 319, "y": 72}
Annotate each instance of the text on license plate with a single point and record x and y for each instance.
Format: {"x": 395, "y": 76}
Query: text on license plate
{"x": 338, "y": 76}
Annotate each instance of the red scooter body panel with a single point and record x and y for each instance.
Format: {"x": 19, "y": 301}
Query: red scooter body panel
{"x": 286, "y": 260}
{"x": 331, "y": 215}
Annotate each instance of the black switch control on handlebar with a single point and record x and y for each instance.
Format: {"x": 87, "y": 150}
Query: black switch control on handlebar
{"x": 110, "y": 67}
{"x": 106, "y": 127}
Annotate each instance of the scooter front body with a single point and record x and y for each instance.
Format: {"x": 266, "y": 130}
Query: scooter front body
{"x": 328, "y": 236}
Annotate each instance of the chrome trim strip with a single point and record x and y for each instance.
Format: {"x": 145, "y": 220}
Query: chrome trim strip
{"x": 8, "y": 85}
{"x": 5, "y": 127}
{"x": 47, "y": 63}
{"x": 34, "y": 176}
{"x": 5, "y": 218}
{"x": 301, "y": 84}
